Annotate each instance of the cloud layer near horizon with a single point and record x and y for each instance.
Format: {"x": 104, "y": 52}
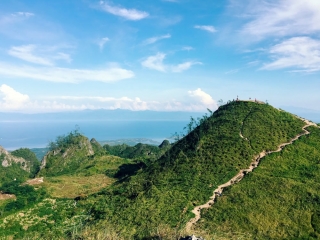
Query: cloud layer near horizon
{"x": 10, "y": 99}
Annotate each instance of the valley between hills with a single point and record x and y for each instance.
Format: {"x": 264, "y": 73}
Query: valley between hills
{"x": 245, "y": 171}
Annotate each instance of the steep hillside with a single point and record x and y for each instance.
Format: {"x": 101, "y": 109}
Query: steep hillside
{"x": 13, "y": 167}
{"x": 31, "y": 159}
{"x": 216, "y": 150}
{"x": 279, "y": 200}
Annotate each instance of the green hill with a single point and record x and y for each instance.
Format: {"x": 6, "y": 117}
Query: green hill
{"x": 154, "y": 197}
{"x": 66, "y": 154}
{"x": 164, "y": 194}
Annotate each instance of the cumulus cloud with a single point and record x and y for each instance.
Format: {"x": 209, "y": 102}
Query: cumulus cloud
{"x": 206, "y": 28}
{"x": 11, "y": 99}
{"x": 156, "y": 39}
{"x": 302, "y": 53}
{"x": 129, "y": 14}
{"x": 203, "y": 99}
{"x": 102, "y": 42}
{"x": 156, "y": 63}
{"x": 71, "y": 75}
{"x": 281, "y": 18}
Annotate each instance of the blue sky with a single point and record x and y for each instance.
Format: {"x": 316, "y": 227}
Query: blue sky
{"x": 162, "y": 55}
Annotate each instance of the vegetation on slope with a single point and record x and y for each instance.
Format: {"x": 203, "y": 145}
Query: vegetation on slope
{"x": 26, "y": 196}
{"x": 140, "y": 151}
{"x": 166, "y": 191}
{"x": 28, "y": 155}
{"x": 12, "y": 172}
{"x": 66, "y": 154}
{"x": 12, "y": 167}
{"x": 279, "y": 200}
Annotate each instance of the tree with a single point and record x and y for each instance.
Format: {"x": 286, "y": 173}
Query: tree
{"x": 220, "y": 102}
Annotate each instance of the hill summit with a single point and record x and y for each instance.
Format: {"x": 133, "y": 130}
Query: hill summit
{"x": 215, "y": 149}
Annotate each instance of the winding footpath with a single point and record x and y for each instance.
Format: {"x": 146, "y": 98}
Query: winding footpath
{"x": 237, "y": 178}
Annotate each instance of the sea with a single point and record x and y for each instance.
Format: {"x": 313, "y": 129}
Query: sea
{"x": 37, "y": 134}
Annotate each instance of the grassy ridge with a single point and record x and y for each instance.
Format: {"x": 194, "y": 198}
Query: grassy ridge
{"x": 187, "y": 174}
{"x": 279, "y": 200}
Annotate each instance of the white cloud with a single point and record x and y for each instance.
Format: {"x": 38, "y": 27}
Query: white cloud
{"x": 39, "y": 55}
{"x": 11, "y": 99}
{"x": 187, "y": 48}
{"x": 63, "y": 56}
{"x": 206, "y": 28}
{"x": 56, "y": 74}
{"x": 202, "y": 99}
{"x": 15, "y": 17}
{"x": 232, "y": 71}
{"x": 156, "y": 63}
{"x": 135, "y": 104}
{"x": 183, "y": 66}
{"x": 281, "y": 18}
{"x": 193, "y": 101}
{"x": 23, "y": 14}
{"x": 130, "y": 14}
{"x": 26, "y": 53}
{"x": 102, "y": 42}
{"x": 302, "y": 53}
{"x": 155, "y": 39}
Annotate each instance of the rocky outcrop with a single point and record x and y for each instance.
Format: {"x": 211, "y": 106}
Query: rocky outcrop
{"x": 7, "y": 160}
{"x": 192, "y": 237}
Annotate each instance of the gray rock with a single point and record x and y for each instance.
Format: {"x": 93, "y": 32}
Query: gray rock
{"x": 192, "y": 237}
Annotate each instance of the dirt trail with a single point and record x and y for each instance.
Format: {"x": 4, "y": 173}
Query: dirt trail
{"x": 237, "y": 178}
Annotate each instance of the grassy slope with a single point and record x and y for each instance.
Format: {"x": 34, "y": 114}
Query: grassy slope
{"x": 279, "y": 200}
{"x": 187, "y": 174}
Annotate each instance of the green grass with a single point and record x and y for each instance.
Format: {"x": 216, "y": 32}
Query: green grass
{"x": 74, "y": 186}
{"x": 279, "y": 200}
